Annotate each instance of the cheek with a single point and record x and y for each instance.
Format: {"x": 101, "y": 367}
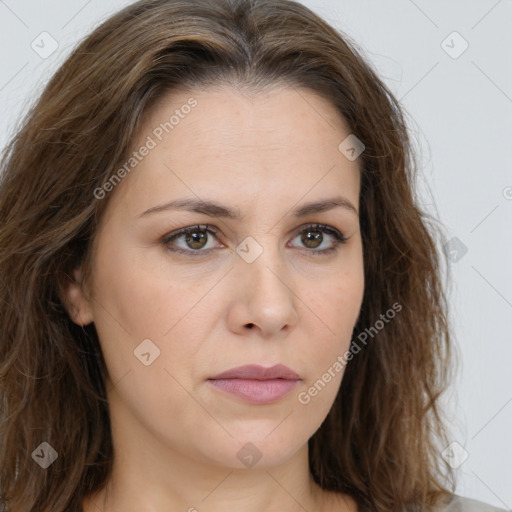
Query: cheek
{"x": 336, "y": 309}
{"x": 139, "y": 294}
{"x": 139, "y": 299}
{"x": 336, "y": 302}
{"x": 142, "y": 316}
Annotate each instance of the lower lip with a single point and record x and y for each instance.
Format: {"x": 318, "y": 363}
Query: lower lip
{"x": 256, "y": 391}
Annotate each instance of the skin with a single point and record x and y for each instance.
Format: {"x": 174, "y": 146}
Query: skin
{"x": 176, "y": 438}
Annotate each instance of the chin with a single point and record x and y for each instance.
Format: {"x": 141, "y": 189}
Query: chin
{"x": 251, "y": 452}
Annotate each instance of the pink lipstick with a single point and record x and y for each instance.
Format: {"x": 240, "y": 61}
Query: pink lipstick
{"x": 256, "y": 384}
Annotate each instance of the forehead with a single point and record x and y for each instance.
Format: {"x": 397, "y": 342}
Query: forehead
{"x": 227, "y": 143}
{"x": 282, "y": 115}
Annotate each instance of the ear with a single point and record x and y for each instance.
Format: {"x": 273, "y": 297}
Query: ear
{"x": 75, "y": 300}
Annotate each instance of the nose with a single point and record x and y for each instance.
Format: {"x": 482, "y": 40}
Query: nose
{"x": 263, "y": 298}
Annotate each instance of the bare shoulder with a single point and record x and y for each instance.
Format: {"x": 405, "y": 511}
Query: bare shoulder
{"x": 462, "y": 504}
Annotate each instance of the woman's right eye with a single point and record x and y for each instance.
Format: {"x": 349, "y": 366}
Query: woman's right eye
{"x": 195, "y": 238}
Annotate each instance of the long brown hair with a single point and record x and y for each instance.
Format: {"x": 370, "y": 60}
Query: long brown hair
{"x": 381, "y": 441}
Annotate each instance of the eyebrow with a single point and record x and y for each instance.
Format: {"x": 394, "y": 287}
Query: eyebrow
{"x": 215, "y": 209}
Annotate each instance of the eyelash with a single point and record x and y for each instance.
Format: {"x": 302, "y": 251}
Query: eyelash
{"x": 338, "y": 237}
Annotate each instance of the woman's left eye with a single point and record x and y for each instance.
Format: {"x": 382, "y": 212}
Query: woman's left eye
{"x": 313, "y": 236}
{"x": 196, "y": 238}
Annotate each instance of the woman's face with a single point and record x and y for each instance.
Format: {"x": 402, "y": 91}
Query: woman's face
{"x": 172, "y": 310}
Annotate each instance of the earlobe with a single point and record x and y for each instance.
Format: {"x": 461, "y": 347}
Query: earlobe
{"x": 74, "y": 300}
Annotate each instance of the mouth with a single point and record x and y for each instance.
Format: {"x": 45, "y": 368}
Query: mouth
{"x": 256, "y": 384}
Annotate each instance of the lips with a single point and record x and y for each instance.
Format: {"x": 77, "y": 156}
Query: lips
{"x": 256, "y": 384}
{"x": 256, "y": 372}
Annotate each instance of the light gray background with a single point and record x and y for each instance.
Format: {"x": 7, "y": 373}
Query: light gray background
{"x": 461, "y": 116}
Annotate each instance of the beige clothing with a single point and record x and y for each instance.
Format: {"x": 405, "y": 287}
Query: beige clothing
{"x": 462, "y": 504}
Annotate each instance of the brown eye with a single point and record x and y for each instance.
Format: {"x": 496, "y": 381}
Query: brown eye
{"x": 312, "y": 238}
{"x": 192, "y": 240}
{"x": 196, "y": 239}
